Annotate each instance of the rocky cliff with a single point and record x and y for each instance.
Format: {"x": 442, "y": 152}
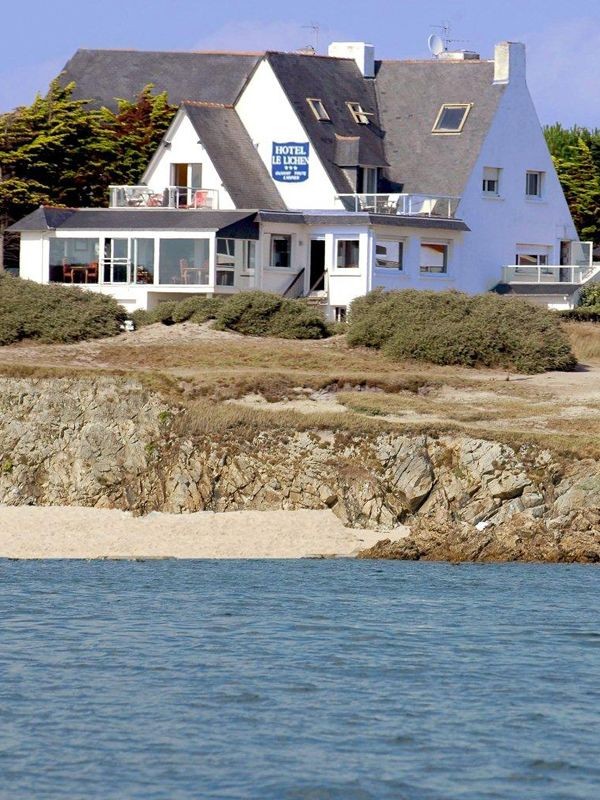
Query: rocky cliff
{"x": 110, "y": 443}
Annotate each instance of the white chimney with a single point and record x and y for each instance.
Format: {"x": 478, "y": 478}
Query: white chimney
{"x": 363, "y": 54}
{"x": 509, "y": 62}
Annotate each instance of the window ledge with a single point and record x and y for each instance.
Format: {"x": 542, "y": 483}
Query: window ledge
{"x": 436, "y": 276}
{"x": 535, "y": 200}
{"x": 492, "y": 197}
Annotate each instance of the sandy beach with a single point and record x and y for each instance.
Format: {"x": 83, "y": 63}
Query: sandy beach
{"x": 31, "y": 532}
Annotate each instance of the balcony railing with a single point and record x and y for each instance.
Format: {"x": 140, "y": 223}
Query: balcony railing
{"x": 186, "y": 197}
{"x": 543, "y": 273}
{"x": 410, "y": 205}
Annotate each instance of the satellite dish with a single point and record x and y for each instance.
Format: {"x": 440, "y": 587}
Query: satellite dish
{"x": 436, "y": 44}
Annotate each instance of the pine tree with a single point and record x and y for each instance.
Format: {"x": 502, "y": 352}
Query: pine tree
{"x": 580, "y": 180}
{"x": 59, "y": 151}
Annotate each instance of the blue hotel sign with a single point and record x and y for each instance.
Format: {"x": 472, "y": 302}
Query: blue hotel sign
{"x": 289, "y": 162}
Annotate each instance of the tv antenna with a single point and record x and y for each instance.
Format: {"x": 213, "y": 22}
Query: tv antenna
{"x": 439, "y": 44}
{"x": 316, "y": 29}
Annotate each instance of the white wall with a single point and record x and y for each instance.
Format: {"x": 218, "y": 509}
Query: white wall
{"x": 33, "y": 258}
{"x": 185, "y": 149}
{"x": 515, "y": 144}
{"x": 269, "y": 117}
{"x": 277, "y": 279}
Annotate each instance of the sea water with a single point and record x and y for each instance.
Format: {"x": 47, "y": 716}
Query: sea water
{"x": 298, "y": 679}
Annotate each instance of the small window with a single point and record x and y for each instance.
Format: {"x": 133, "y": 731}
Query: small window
{"x": 389, "y": 254}
{"x": 434, "y": 258}
{"x": 532, "y": 259}
{"x": 451, "y": 118}
{"x": 533, "y": 184}
{"x": 359, "y": 115}
{"x": 339, "y": 313}
{"x": 491, "y": 181}
{"x": 249, "y": 255}
{"x": 281, "y": 250}
{"x": 318, "y": 109}
{"x": 347, "y": 254}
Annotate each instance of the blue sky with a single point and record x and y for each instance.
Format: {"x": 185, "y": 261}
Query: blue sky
{"x": 563, "y": 39}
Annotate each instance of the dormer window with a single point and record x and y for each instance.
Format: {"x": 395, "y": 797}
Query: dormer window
{"x": 318, "y": 109}
{"x": 359, "y": 115}
{"x": 451, "y": 118}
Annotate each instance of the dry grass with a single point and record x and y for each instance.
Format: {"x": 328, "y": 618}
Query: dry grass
{"x": 585, "y": 340}
{"x": 198, "y": 369}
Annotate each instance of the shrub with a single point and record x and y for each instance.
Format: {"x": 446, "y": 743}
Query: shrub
{"x": 55, "y": 313}
{"x": 453, "y": 328}
{"x": 263, "y": 314}
{"x": 582, "y": 314}
{"x": 590, "y": 295}
{"x": 196, "y": 309}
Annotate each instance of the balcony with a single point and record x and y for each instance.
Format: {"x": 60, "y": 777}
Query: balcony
{"x": 409, "y": 205}
{"x": 575, "y": 275}
{"x": 184, "y": 197}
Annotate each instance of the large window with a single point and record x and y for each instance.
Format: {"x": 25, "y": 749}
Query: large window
{"x": 367, "y": 180}
{"x": 389, "y": 254}
{"x": 281, "y": 250}
{"x": 434, "y": 258}
{"x": 74, "y": 260}
{"x": 184, "y": 261}
{"x": 347, "y": 253}
{"x": 533, "y": 184}
{"x": 451, "y": 118}
{"x": 128, "y": 260}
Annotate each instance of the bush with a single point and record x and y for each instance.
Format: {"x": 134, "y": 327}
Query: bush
{"x": 55, "y": 313}
{"x": 582, "y": 314}
{"x": 590, "y": 295}
{"x": 453, "y": 328}
{"x": 263, "y": 314}
{"x": 195, "y": 309}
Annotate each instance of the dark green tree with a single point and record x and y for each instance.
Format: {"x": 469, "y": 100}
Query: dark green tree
{"x": 60, "y": 151}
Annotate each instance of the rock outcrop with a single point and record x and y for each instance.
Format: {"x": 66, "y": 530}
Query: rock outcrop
{"x": 110, "y": 443}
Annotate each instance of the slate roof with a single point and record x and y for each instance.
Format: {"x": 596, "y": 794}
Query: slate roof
{"x": 44, "y": 218}
{"x": 335, "y": 81}
{"x": 410, "y": 95}
{"x": 131, "y": 219}
{"x": 234, "y": 156}
{"x": 327, "y": 217}
{"x": 242, "y": 223}
{"x": 104, "y": 75}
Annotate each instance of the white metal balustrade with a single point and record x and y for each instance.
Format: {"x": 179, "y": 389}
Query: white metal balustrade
{"x": 544, "y": 273}
{"x": 184, "y": 197}
{"x": 410, "y": 205}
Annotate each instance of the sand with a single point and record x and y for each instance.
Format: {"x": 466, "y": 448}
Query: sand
{"x": 30, "y": 532}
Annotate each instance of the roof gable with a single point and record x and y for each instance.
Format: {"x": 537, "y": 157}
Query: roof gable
{"x": 335, "y": 81}
{"x": 410, "y": 95}
{"x": 233, "y": 155}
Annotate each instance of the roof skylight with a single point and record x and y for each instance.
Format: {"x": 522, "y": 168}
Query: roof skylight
{"x": 318, "y": 109}
{"x": 451, "y": 117}
{"x": 359, "y": 115}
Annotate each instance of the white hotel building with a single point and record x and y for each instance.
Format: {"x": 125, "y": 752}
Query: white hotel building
{"x": 322, "y": 177}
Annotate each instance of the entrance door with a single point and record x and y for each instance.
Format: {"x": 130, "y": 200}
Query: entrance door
{"x": 317, "y": 265}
